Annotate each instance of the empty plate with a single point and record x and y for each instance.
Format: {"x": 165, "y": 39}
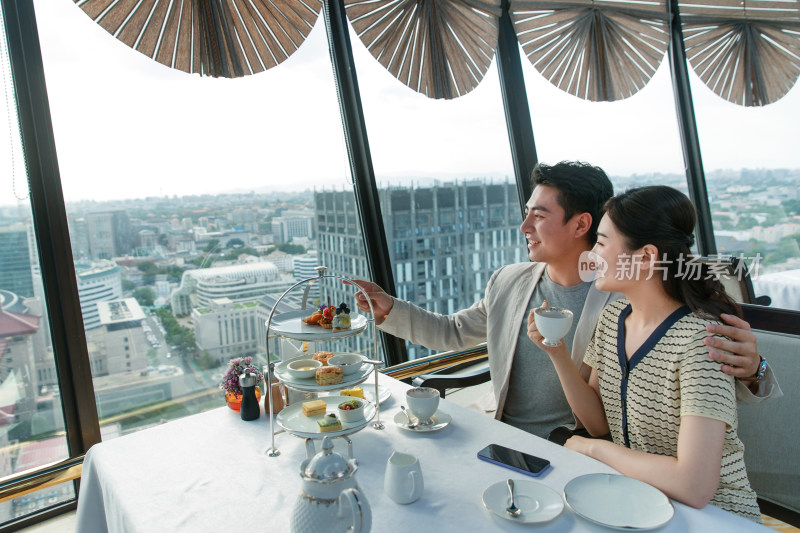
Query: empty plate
{"x": 618, "y": 502}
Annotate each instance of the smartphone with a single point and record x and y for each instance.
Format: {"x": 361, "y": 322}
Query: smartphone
{"x": 515, "y": 460}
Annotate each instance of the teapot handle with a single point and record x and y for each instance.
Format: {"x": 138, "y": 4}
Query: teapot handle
{"x": 360, "y": 512}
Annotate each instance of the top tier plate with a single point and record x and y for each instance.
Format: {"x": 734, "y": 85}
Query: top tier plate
{"x": 291, "y": 325}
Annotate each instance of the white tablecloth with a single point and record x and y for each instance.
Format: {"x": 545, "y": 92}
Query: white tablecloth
{"x": 209, "y": 473}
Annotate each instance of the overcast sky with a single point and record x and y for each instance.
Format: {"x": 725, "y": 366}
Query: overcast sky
{"x": 126, "y": 126}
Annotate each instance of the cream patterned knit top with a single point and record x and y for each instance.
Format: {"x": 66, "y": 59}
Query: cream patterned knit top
{"x": 669, "y": 376}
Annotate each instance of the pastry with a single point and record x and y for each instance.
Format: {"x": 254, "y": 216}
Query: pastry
{"x": 327, "y": 318}
{"x": 341, "y": 318}
{"x": 356, "y": 392}
{"x": 314, "y": 407}
{"x": 329, "y": 422}
{"x": 329, "y": 375}
{"x": 322, "y": 357}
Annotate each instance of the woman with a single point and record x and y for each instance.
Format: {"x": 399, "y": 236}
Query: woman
{"x": 670, "y": 411}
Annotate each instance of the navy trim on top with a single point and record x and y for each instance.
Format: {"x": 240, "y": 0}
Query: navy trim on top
{"x": 627, "y": 365}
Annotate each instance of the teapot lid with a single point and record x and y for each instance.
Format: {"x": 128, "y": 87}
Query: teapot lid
{"x": 328, "y": 465}
{"x": 247, "y": 379}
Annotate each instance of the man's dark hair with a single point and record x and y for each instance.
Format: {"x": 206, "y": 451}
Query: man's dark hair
{"x": 582, "y": 188}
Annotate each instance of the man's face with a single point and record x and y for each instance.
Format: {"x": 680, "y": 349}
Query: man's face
{"x": 549, "y": 238}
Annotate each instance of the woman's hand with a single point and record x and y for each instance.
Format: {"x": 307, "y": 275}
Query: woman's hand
{"x": 579, "y": 444}
{"x": 537, "y": 338}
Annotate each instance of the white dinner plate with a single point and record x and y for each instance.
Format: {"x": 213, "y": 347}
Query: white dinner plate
{"x": 369, "y": 392}
{"x": 310, "y": 384}
{"x": 618, "y": 502}
{"x": 440, "y": 421}
{"x": 538, "y": 502}
{"x": 290, "y": 325}
{"x": 293, "y": 420}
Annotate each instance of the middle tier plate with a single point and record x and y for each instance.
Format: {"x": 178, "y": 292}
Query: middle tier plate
{"x": 292, "y": 419}
{"x": 310, "y": 384}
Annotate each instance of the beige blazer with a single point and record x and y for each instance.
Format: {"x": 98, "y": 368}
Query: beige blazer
{"x": 496, "y": 320}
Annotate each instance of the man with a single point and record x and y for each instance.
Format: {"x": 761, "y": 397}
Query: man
{"x": 560, "y": 224}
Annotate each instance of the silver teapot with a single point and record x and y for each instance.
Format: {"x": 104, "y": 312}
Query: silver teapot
{"x": 330, "y": 500}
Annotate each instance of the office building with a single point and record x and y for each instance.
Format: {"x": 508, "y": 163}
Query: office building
{"x": 444, "y": 241}
{"x": 16, "y": 273}
{"x": 98, "y": 281}
{"x": 292, "y": 224}
{"x": 110, "y": 234}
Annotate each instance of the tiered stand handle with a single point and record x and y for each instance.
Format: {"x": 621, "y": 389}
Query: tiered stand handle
{"x": 272, "y": 451}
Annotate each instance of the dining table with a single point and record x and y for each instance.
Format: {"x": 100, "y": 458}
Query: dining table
{"x": 210, "y": 472}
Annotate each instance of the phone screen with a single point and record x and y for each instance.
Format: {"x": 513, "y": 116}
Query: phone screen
{"x": 513, "y": 459}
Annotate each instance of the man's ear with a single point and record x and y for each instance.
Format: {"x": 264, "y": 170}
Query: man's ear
{"x": 583, "y": 223}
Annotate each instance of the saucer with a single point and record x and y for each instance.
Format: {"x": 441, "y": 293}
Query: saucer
{"x": 538, "y": 502}
{"x": 440, "y": 420}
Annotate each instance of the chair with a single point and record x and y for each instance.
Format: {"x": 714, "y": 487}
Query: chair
{"x": 735, "y": 277}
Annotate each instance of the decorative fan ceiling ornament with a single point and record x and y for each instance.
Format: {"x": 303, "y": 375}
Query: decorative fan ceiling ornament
{"x": 220, "y": 38}
{"x": 595, "y": 50}
{"x": 748, "y": 52}
{"x": 440, "y": 48}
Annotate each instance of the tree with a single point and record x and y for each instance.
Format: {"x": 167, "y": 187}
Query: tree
{"x": 212, "y": 245}
{"x": 145, "y": 296}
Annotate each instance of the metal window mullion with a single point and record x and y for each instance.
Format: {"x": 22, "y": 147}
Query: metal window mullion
{"x": 50, "y": 224}
{"x": 690, "y": 141}
{"x": 515, "y": 105}
{"x": 364, "y": 186}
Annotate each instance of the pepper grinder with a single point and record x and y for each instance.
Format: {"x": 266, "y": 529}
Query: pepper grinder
{"x": 249, "y": 409}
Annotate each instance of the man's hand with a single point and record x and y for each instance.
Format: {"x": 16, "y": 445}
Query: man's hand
{"x": 739, "y": 357}
{"x": 382, "y": 303}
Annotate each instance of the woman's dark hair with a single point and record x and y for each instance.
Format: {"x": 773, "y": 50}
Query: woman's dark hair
{"x": 664, "y": 217}
{"x": 581, "y": 188}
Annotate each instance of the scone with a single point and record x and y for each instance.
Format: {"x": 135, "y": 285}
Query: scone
{"x": 329, "y": 375}
{"x": 322, "y": 357}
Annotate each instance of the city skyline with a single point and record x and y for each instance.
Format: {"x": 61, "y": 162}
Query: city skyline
{"x": 126, "y": 126}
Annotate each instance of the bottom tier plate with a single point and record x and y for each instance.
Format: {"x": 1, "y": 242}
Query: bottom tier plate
{"x": 293, "y": 420}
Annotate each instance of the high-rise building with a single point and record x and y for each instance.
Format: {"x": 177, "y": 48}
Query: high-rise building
{"x": 292, "y": 224}
{"x": 110, "y": 234}
{"x": 99, "y": 281}
{"x": 124, "y": 342}
{"x": 16, "y": 274}
{"x": 444, "y": 241}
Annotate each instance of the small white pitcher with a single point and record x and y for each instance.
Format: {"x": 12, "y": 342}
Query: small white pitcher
{"x": 403, "y": 481}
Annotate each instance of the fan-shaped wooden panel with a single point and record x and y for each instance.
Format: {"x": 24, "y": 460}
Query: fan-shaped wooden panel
{"x": 748, "y": 52}
{"x": 596, "y": 50}
{"x": 440, "y": 48}
{"x": 221, "y": 38}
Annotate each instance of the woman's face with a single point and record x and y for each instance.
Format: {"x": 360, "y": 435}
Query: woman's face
{"x": 618, "y": 267}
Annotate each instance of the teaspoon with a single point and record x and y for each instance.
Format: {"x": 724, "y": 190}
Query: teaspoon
{"x": 512, "y": 509}
{"x": 410, "y": 425}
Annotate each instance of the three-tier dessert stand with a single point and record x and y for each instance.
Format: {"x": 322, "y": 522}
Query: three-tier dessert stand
{"x": 293, "y": 328}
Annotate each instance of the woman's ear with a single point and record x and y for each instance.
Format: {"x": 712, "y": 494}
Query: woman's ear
{"x": 649, "y": 255}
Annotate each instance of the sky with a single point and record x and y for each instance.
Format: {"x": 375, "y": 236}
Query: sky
{"x": 128, "y": 127}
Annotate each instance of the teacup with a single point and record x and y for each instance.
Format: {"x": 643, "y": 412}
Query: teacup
{"x": 403, "y": 481}
{"x": 423, "y": 402}
{"x": 553, "y": 323}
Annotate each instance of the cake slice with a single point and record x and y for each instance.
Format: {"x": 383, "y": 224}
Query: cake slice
{"x": 314, "y": 407}
{"x": 329, "y": 422}
{"x": 357, "y": 392}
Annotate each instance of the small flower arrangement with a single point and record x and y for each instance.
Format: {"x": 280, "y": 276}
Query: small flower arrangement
{"x": 236, "y": 367}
